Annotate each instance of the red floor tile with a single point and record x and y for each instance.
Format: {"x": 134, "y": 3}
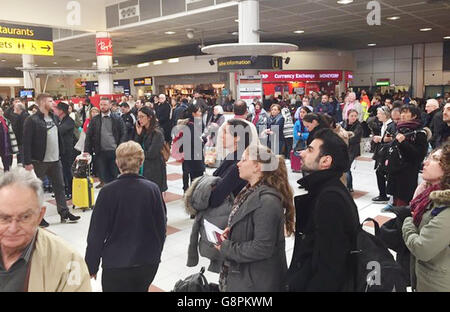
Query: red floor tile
{"x": 53, "y": 202}
{"x": 174, "y": 163}
{"x": 171, "y": 230}
{"x": 170, "y": 197}
{"x": 364, "y": 158}
{"x": 357, "y": 194}
{"x": 380, "y": 219}
{"x": 153, "y": 288}
{"x": 174, "y": 176}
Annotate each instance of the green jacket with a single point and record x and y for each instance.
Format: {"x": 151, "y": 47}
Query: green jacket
{"x": 430, "y": 246}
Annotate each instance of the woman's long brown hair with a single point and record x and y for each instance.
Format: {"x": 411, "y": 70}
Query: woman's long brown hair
{"x": 277, "y": 179}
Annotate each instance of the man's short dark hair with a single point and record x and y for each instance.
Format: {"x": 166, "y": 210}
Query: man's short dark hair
{"x": 64, "y": 107}
{"x": 106, "y": 99}
{"x": 415, "y": 111}
{"x": 124, "y": 104}
{"x": 240, "y": 108}
{"x": 335, "y": 147}
{"x": 397, "y": 103}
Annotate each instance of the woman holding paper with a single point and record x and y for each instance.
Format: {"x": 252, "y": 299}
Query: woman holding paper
{"x": 254, "y": 241}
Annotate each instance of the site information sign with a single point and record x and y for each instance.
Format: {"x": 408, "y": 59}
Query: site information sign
{"x": 20, "y": 39}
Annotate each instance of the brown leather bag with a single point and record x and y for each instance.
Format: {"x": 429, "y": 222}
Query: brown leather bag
{"x": 165, "y": 151}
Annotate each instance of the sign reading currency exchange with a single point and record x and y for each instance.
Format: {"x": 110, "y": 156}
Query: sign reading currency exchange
{"x": 20, "y": 39}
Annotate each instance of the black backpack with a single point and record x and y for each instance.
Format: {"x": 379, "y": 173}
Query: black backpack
{"x": 194, "y": 283}
{"x": 376, "y": 269}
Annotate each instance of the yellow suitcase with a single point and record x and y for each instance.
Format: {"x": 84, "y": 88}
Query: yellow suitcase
{"x": 83, "y": 193}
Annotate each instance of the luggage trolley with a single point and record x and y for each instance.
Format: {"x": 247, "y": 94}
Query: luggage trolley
{"x": 83, "y": 184}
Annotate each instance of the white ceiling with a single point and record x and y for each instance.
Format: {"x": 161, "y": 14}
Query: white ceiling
{"x": 326, "y": 25}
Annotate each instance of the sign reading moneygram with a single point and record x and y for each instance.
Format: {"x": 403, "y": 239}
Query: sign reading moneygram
{"x": 104, "y": 46}
{"x": 21, "y": 39}
{"x": 301, "y": 76}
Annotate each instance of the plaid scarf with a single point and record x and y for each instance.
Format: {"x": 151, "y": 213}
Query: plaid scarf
{"x": 240, "y": 199}
{"x": 420, "y": 203}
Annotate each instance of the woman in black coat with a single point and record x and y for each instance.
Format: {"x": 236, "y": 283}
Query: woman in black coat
{"x": 231, "y": 183}
{"x": 194, "y": 160}
{"x": 128, "y": 227}
{"x": 411, "y": 140}
{"x": 152, "y": 141}
{"x": 354, "y": 144}
{"x": 313, "y": 122}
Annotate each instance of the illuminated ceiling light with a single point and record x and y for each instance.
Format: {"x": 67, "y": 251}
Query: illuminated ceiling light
{"x": 3, "y": 60}
{"x": 78, "y": 60}
{"x": 236, "y": 20}
{"x": 157, "y": 62}
{"x": 170, "y": 32}
{"x": 426, "y": 29}
{"x": 344, "y": 1}
{"x": 446, "y": 37}
{"x": 299, "y": 31}
{"x": 393, "y": 18}
{"x": 143, "y": 65}
{"x": 235, "y": 33}
{"x": 9, "y": 81}
{"x": 371, "y": 44}
{"x": 174, "y": 60}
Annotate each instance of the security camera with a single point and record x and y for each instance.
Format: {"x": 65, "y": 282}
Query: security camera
{"x": 190, "y": 33}
{"x": 211, "y": 62}
{"x": 287, "y": 60}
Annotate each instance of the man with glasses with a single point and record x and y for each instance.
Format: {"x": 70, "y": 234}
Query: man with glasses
{"x": 33, "y": 259}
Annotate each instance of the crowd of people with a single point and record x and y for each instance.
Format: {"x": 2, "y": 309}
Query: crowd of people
{"x": 248, "y": 195}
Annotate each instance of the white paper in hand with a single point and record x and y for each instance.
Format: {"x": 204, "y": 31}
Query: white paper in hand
{"x": 212, "y": 232}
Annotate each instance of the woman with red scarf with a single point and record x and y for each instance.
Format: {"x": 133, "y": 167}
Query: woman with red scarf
{"x": 427, "y": 232}
{"x": 412, "y": 145}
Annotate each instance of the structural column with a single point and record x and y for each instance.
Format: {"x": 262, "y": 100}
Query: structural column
{"x": 104, "y": 62}
{"x": 29, "y": 79}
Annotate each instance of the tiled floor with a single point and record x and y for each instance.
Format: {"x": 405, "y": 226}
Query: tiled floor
{"x": 174, "y": 256}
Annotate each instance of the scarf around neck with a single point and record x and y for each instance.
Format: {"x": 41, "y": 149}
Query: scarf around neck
{"x": 420, "y": 203}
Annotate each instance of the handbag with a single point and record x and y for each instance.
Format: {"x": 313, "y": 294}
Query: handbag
{"x": 79, "y": 146}
{"x": 193, "y": 283}
{"x": 165, "y": 151}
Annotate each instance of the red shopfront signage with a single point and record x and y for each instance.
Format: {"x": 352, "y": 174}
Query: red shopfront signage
{"x": 104, "y": 46}
{"x": 279, "y": 76}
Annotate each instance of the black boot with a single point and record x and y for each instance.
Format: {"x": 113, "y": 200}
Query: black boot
{"x": 44, "y": 223}
{"x": 69, "y": 218}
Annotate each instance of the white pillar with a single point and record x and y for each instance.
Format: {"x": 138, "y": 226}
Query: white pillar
{"x": 248, "y": 21}
{"x": 105, "y": 81}
{"x": 29, "y": 79}
{"x": 12, "y": 92}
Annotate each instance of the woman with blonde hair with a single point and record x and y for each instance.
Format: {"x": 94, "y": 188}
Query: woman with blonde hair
{"x": 128, "y": 227}
{"x": 254, "y": 241}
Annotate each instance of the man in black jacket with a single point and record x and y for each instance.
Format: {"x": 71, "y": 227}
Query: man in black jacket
{"x": 105, "y": 133}
{"x": 66, "y": 126}
{"x": 326, "y": 226}
{"x": 434, "y": 119}
{"x": 162, "y": 110}
{"x": 42, "y": 146}
{"x": 21, "y": 112}
{"x": 129, "y": 120}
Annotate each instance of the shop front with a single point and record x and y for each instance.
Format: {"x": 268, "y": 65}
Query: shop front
{"x": 304, "y": 82}
{"x": 144, "y": 86}
{"x": 211, "y": 84}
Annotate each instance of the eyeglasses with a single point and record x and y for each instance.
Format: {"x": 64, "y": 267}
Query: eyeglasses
{"x": 21, "y": 220}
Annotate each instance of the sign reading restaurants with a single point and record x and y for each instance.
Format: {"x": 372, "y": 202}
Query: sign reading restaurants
{"x": 20, "y": 39}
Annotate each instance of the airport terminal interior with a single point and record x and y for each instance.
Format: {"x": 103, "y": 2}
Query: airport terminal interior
{"x": 386, "y": 61}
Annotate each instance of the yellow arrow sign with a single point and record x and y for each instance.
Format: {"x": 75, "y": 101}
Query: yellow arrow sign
{"x": 25, "y": 46}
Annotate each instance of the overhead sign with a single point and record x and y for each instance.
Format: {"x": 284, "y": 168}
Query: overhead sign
{"x": 249, "y": 88}
{"x": 301, "y": 75}
{"x": 131, "y": 11}
{"x": 146, "y": 81}
{"x": 104, "y": 46}
{"x": 249, "y": 62}
{"x": 19, "y": 39}
{"x": 383, "y": 83}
